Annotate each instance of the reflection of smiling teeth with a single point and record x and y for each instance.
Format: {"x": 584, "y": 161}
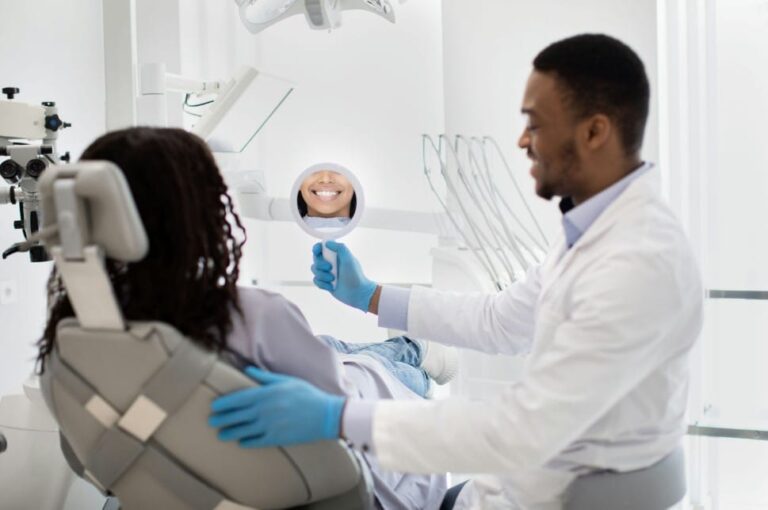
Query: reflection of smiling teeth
{"x": 326, "y": 195}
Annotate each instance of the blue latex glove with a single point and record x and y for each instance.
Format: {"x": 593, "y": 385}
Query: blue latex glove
{"x": 353, "y": 288}
{"x": 283, "y": 411}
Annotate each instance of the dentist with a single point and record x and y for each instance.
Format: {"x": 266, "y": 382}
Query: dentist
{"x": 607, "y": 320}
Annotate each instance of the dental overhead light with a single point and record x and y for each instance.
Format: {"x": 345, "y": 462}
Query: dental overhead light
{"x": 257, "y": 15}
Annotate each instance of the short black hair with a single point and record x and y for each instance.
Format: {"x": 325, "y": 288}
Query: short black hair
{"x": 600, "y": 74}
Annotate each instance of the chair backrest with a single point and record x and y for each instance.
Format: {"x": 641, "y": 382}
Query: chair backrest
{"x": 657, "y": 487}
{"x": 132, "y": 398}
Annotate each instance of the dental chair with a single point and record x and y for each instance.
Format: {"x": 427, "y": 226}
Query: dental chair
{"x": 657, "y": 487}
{"x": 132, "y": 398}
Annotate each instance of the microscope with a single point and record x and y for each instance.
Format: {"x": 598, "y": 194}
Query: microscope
{"x": 28, "y": 134}
{"x": 30, "y": 454}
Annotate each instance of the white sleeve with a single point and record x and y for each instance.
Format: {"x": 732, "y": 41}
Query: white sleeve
{"x": 627, "y": 318}
{"x": 494, "y": 323}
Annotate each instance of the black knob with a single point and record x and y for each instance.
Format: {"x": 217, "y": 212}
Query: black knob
{"x": 66, "y": 157}
{"x": 10, "y": 170}
{"x": 35, "y": 167}
{"x": 18, "y": 224}
{"x": 49, "y": 104}
{"x": 10, "y": 91}
{"x": 34, "y": 223}
{"x": 53, "y": 122}
{"x": 3, "y": 443}
{"x": 38, "y": 254}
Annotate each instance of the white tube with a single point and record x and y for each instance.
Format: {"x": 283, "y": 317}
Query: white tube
{"x": 476, "y": 247}
{"x": 178, "y": 83}
{"x": 5, "y": 195}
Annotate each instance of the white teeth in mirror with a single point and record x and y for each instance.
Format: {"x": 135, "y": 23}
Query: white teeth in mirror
{"x": 328, "y": 194}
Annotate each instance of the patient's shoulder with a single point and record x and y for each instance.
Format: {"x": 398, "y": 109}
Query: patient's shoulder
{"x": 270, "y": 314}
{"x": 255, "y": 302}
{"x": 255, "y": 294}
{"x": 274, "y": 334}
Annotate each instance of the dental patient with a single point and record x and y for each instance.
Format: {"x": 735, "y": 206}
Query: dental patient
{"x": 189, "y": 280}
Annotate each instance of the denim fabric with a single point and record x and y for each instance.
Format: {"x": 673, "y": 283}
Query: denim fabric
{"x": 399, "y": 355}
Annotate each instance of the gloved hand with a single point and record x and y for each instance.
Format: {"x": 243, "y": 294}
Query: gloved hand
{"x": 283, "y": 411}
{"x": 353, "y": 288}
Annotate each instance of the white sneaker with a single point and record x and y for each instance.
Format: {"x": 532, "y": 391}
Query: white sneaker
{"x": 440, "y": 362}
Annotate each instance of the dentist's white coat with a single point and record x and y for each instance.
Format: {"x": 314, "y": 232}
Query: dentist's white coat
{"x": 608, "y": 325}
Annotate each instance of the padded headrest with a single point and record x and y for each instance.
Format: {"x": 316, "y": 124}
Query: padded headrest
{"x": 111, "y": 219}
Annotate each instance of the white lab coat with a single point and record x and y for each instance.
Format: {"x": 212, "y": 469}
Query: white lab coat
{"x": 608, "y": 326}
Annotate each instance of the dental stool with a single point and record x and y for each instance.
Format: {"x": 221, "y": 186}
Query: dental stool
{"x": 132, "y": 398}
{"x": 657, "y": 487}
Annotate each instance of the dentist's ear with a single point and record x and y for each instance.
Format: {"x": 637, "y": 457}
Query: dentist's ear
{"x": 596, "y": 131}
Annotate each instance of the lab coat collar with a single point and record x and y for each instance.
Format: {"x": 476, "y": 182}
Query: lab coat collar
{"x": 577, "y": 220}
{"x": 560, "y": 257}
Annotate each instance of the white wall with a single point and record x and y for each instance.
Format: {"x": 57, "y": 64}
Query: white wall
{"x": 489, "y": 47}
{"x": 735, "y": 248}
{"x": 738, "y": 188}
{"x": 52, "y": 51}
{"x": 736, "y": 205}
{"x": 364, "y": 94}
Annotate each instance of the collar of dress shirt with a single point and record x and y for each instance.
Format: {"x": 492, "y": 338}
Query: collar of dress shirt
{"x": 576, "y": 220}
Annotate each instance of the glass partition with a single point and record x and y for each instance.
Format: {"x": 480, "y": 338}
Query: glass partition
{"x": 715, "y": 165}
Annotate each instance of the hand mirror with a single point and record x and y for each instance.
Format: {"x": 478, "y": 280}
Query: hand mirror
{"x": 327, "y": 202}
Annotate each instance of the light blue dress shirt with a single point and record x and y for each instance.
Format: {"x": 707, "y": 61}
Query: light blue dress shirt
{"x": 393, "y": 302}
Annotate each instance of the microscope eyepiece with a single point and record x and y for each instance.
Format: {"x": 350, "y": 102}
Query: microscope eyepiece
{"x": 10, "y": 170}
{"x": 35, "y": 167}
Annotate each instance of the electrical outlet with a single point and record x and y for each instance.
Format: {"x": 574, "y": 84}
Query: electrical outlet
{"x": 8, "y": 292}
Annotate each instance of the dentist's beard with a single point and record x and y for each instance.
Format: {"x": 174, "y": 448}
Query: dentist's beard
{"x": 553, "y": 176}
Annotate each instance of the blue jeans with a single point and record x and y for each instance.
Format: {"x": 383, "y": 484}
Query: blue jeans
{"x": 399, "y": 355}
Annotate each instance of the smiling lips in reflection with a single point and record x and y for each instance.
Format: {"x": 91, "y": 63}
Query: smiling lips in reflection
{"x": 327, "y": 194}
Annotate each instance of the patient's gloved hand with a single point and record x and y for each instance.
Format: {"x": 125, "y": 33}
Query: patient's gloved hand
{"x": 353, "y": 288}
{"x": 283, "y": 411}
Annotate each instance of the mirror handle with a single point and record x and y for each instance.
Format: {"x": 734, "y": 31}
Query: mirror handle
{"x": 330, "y": 256}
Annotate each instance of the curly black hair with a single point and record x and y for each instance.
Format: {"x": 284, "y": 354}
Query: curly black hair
{"x": 188, "y": 278}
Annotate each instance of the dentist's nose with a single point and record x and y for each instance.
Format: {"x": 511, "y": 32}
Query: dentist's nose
{"x": 524, "y": 142}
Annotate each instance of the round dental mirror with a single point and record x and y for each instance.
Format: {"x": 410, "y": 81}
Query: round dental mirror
{"x": 327, "y": 202}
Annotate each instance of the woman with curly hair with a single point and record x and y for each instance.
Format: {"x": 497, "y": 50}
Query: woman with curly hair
{"x": 188, "y": 279}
